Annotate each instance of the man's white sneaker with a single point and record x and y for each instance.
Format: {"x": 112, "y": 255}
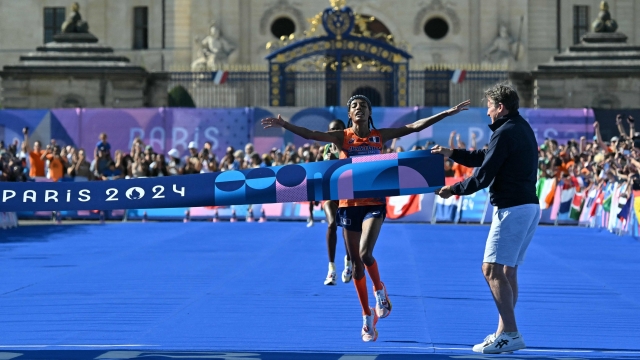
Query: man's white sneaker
{"x": 487, "y": 341}
{"x": 347, "y": 273}
{"x": 369, "y": 331}
{"x": 383, "y": 304}
{"x": 331, "y": 278}
{"x": 309, "y": 223}
{"x": 505, "y": 343}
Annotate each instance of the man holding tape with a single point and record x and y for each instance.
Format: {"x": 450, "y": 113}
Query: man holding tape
{"x": 509, "y": 165}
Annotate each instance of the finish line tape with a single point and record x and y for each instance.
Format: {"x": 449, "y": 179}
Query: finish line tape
{"x": 394, "y": 174}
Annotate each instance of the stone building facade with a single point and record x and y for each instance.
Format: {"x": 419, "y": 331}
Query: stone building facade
{"x": 536, "y": 29}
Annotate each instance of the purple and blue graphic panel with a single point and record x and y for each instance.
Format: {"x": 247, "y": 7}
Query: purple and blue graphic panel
{"x": 167, "y": 128}
{"x": 13, "y": 121}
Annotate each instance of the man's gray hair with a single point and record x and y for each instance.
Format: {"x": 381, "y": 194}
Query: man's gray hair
{"x": 505, "y": 94}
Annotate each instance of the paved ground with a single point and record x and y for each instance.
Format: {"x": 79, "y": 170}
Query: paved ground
{"x": 254, "y": 291}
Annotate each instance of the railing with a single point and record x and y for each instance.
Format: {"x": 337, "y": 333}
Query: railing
{"x": 241, "y": 88}
{"x": 432, "y": 87}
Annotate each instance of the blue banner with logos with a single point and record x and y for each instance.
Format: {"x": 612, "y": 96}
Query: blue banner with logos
{"x": 359, "y": 177}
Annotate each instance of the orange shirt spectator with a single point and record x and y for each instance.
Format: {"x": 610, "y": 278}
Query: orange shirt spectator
{"x": 462, "y": 171}
{"x": 37, "y": 164}
{"x": 56, "y": 167}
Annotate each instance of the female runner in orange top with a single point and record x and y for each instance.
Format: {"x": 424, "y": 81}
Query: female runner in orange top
{"x": 361, "y": 219}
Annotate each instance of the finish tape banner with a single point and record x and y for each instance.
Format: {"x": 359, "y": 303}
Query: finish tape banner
{"x": 394, "y": 174}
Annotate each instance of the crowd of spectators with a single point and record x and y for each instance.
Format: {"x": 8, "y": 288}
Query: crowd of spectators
{"x": 593, "y": 162}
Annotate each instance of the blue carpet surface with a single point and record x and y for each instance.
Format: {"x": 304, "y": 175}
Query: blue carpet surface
{"x": 132, "y": 290}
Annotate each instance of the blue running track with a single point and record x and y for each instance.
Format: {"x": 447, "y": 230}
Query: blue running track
{"x": 255, "y": 291}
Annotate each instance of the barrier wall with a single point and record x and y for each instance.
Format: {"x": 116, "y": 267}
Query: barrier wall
{"x": 166, "y": 128}
{"x": 613, "y": 207}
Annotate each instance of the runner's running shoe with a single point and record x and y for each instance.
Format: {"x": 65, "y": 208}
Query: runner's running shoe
{"x": 347, "y": 273}
{"x": 331, "y": 278}
{"x": 369, "y": 331}
{"x": 383, "y": 305}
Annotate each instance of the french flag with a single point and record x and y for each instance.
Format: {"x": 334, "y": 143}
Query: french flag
{"x": 458, "y": 76}
{"x": 219, "y": 77}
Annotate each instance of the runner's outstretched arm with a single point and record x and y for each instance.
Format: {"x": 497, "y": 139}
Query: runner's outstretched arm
{"x": 335, "y": 137}
{"x": 392, "y": 133}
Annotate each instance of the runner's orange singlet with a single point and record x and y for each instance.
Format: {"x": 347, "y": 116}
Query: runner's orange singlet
{"x": 352, "y": 146}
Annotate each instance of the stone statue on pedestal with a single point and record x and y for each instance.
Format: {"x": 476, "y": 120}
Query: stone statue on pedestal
{"x": 74, "y": 22}
{"x": 215, "y": 51}
{"x": 504, "y": 49}
{"x": 604, "y": 23}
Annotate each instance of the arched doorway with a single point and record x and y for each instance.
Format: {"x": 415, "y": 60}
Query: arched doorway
{"x": 347, "y": 58}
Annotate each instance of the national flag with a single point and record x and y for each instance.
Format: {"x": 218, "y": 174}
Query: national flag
{"x": 606, "y": 204}
{"x": 458, "y": 76}
{"x": 636, "y": 203}
{"x": 578, "y": 182}
{"x": 598, "y": 202}
{"x": 539, "y": 187}
{"x": 566, "y": 197}
{"x": 447, "y": 209}
{"x": 576, "y": 206}
{"x": 589, "y": 206}
{"x": 547, "y": 191}
{"x": 614, "y": 208}
{"x": 555, "y": 205}
{"x": 220, "y": 77}
{"x": 401, "y": 206}
{"x": 374, "y": 139}
{"x": 625, "y": 210}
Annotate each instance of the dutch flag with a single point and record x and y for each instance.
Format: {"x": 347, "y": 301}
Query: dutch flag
{"x": 458, "y": 76}
{"x": 219, "y": 77}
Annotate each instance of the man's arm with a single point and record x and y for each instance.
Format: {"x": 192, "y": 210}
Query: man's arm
{"x": 468, "y": 158}
{"x": 596, "y": 127}
{"x": 632, "y": 128}
{"x": 494, "y": 158}
{"x": 461, "y": 156}
{"x": 25, "y": 131}
{"x": 451, "y": 137}
{"x": 623, "y": 134}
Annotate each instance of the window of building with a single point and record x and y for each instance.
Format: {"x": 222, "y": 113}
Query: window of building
{"x": 140, "y": 27}
{"x": 283, "y": 27}
{"x": 436, "y": 28}
{"x": 53, "y": 19}
{"x": 580, "y": 22}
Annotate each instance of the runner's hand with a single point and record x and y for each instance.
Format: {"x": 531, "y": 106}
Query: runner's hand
{"x": 460, "y": 107}
{"x": 273, "y": 122}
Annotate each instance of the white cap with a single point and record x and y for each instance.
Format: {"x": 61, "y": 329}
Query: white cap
{"x": 192, "y": 145}
{"x": 615, "y": 138}
{"x": 174, "y": 153}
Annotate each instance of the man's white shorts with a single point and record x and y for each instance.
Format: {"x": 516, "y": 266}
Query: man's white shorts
{"x": 511, "y": 232}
